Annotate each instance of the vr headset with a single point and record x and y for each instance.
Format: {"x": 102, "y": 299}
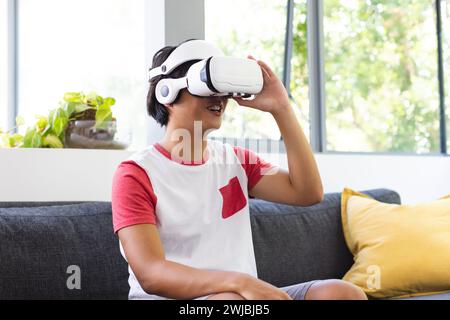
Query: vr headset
{"x": 213, "y": 75}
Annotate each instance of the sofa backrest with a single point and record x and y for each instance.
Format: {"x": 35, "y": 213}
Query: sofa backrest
{"x": 41, "y": 242}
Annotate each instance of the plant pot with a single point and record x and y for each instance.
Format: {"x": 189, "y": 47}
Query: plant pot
{"x": 83, "y": 134}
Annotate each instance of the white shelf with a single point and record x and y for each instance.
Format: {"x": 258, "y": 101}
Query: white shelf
{"x": 86, "y": 175}
{"x": 58, "y": 174}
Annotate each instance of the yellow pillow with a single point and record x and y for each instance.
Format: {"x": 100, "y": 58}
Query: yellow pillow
{"x": 399, "y": 250}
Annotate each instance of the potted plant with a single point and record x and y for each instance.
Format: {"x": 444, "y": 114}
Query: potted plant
{"x": 80, "y": 121}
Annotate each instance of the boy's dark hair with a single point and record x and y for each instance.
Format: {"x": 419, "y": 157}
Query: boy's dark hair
{"x": 155, "y": 109}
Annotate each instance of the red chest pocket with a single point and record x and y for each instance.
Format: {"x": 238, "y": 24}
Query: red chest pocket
{"x": 233, "y": 198}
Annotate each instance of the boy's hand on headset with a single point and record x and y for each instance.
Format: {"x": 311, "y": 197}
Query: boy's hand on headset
{"x": 273, "y": 98}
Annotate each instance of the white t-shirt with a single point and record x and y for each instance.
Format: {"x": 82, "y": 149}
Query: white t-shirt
{"x": 201, "y": 211}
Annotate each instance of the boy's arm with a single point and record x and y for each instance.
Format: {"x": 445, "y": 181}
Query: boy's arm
{"x": 301, "y": 185}
{"x": 156, "y": 275}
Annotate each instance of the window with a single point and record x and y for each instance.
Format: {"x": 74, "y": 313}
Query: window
{"x": 445, "y": 5}
{"x": 83, "y": 45}
{"x": 299, "y": 82}
{"x": 3, "y": 64}
{"x": 240, "y": 28}
{"x": 381, "y": 78}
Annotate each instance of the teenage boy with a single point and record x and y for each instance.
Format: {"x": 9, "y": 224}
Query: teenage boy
{"x": 180, "y": 206}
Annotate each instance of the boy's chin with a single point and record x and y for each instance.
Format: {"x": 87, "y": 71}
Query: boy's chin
{"x": 213, "y": 126}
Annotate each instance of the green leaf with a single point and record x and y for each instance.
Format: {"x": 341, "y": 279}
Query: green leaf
{"x": 109, "y": 101}
{"x": 28, "y": 137}
{"x": 42, "y": 122}
{"x": 11, "y": 140}
{"x": 51, "y": 114}
{"x": 20, "y": 121}
{"x": 75, "y": 97}
{"x": 81, "y": 107}
{"x": 59, "y": 121}
{"x": 47, "y": 129}
{"x": 102, "y": 116}
{"x": 91, "y": 99}
{"x": 52, "y": 141}
{"x": 36, "y": 142}
{"x": 69, "y": 107}
{"x": 32, "y": 139}
{"x": 100, "y": 100}
{"x": 16, "y": 140}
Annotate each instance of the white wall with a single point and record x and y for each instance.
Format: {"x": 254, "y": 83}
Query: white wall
{"x": 415, "y": 178}
{"x": 86, "y": 175}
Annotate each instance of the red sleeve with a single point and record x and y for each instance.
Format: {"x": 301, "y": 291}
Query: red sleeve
{"x": 254, "y": 166}
{"x": 133, "y": 200}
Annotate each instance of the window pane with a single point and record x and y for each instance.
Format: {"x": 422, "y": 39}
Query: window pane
{"x": 381, "y": 76}
{"x": 83, "y": 45}
{"x": 299, "y": 66}
{"x": 446, "y": 45}
{"x": 241, "y": 28}
{"x": 3, "y": 65}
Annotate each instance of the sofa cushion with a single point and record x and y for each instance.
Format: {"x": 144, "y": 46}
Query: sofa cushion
{"x": 39, "y": 243}
{"x": 390, "y": 242}
{"x": 296, "y": 244}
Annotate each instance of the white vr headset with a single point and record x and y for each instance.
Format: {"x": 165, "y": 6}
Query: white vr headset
{"x": 214, "y": 75}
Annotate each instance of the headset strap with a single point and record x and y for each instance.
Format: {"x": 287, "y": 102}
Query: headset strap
{"x": 188, "y": 51}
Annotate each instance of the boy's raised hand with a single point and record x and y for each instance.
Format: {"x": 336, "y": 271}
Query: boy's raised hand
{"x": 273, "y": 98}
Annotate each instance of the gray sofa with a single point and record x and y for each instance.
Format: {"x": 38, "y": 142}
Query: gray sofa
{"x": 39, "y": 241}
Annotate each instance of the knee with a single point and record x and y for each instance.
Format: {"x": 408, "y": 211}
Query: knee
{"x": 335, "y": 290}
{"x": 225, "y": 296}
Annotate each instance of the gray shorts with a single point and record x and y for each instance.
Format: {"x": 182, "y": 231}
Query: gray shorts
{"x": 296, "y": 291}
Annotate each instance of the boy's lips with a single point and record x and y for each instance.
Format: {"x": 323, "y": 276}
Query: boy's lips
{"x": 217, "y": 109}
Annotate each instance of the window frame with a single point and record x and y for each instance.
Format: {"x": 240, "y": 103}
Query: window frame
{"x": 441, "y": 79}
{"x": 12, "y": 70}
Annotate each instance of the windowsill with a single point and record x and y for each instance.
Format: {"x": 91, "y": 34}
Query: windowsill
{"x": 279, "y": 147}
{"x": 63, "y": 150}
{"x": 282, "y": 151}
{"x": 389, "y": 154}
{"x": 44, "y": 174}
{"x": 87, "y": 174}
